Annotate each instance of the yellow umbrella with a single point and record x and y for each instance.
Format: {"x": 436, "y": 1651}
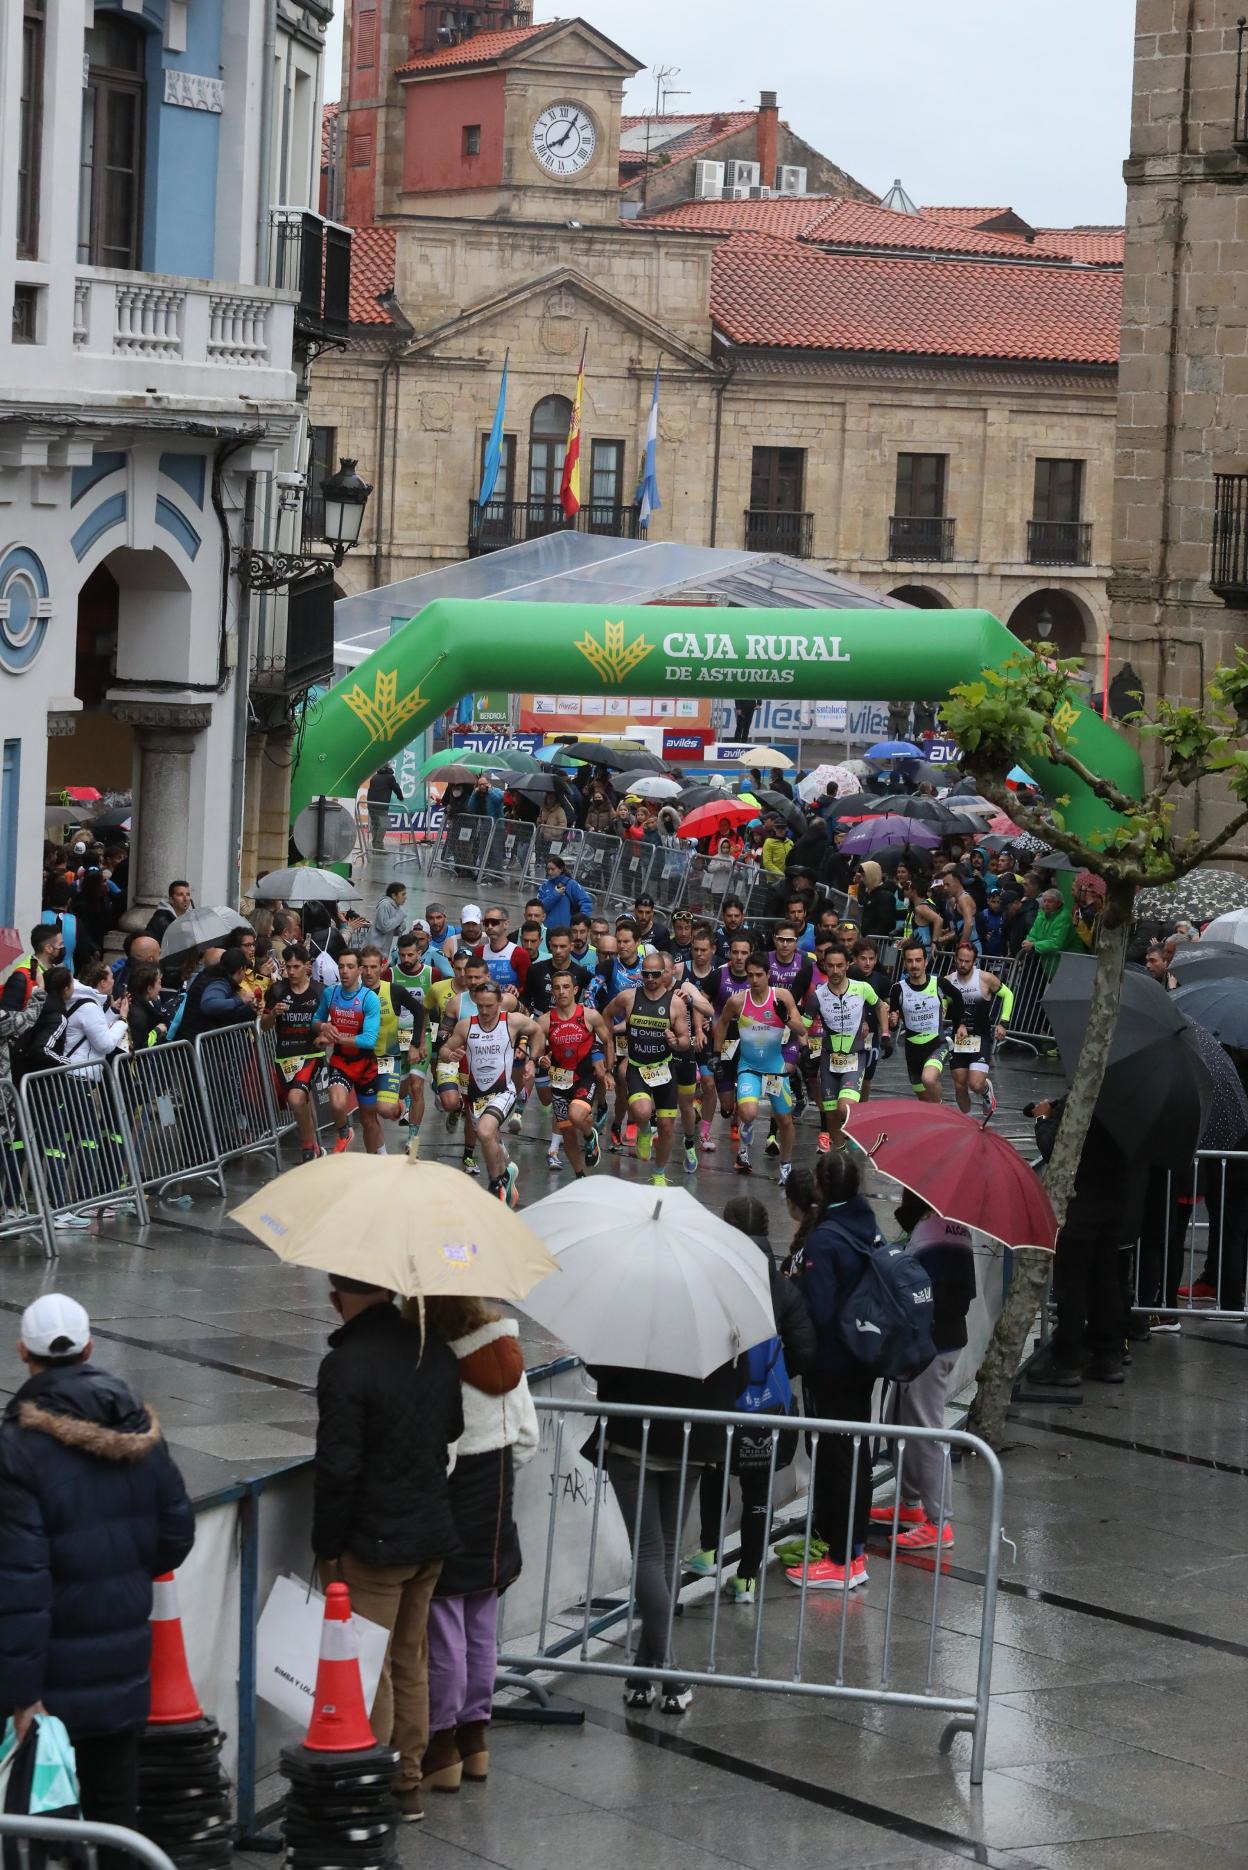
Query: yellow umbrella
{"x": 419, "y": 1228}
{"x": 760, "y": 757}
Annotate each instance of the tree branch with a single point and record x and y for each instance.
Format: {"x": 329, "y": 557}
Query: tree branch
{"x": 1104, "y": 789}
{"x": 1210, "y": 849}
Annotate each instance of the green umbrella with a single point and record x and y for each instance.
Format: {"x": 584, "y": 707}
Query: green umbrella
{"x": 516, "y": 760}
{"x": 460, "y": 756}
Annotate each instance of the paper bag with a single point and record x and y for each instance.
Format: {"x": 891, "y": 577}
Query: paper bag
{"x": 288, "y": 1647}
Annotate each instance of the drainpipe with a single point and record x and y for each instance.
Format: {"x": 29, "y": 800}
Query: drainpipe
{"x": 263, "y": 204}
{"x": 242, "y": 705}
{"x": 721, "y": 389}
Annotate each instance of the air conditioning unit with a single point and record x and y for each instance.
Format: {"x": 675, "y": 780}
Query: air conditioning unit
{"x": 742, "y": 175}
{"x": 738, "y": 192}
{"x": 708, "y": 181}
{"x": 791, "y": 181}
{"x": 760, "y": 194}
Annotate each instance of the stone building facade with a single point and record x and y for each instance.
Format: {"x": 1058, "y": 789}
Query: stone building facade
{"x": 915, "y": 398}
{"x": 1179, "y": 585}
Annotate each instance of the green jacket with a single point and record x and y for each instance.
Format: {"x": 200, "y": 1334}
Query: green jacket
{"x": 1053, "y": 934}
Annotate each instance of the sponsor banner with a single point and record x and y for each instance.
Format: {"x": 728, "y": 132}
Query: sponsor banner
{"x": 681, "y": 743}
{"x": 605, "y": 714}
{"x": 493, "y": 709}
{"x": 940, "y": 752}
{"x": 864, "y": 721}
{"x": 483, "y": 741}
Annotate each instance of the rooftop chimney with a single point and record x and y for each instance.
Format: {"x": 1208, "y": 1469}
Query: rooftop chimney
{"x": 768, "y": 137}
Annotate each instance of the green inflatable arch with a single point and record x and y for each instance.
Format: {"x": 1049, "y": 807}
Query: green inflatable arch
{"x": 456, "y": 646}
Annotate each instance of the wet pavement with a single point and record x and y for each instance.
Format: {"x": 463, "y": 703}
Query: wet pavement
{"x": 1121, "y": 1655}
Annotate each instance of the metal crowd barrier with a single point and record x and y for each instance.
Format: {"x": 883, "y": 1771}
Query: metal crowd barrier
{"x": 784, "y": 1646}
{"x": 239, "y": 1099}
{"x": 82, "y": 1840}
{"x": 548, "y": 843}
{"x": 1168, "y": 1253}
{"x": 161, "y": 1094}
{"x": 507, "y": 858}
{"x": 20, "y": 1207}
{"x": 82, "y": 1155}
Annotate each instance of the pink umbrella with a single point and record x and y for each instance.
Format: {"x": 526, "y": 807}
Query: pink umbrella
{"x": 1003, "y": 827}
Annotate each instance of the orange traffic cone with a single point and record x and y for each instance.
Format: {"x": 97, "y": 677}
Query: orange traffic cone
{"x": 339, "y": 1718}
{"x": 173, "y": 1693}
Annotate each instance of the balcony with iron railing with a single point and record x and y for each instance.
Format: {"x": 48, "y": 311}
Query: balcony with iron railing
{"x": 510, "y": 522}
{"x": 928, "y": 539}
{"x": 1228, "y": 573}
{"x": 767, "y": 530}
{"x": 311, "y": 256}
{"x": 1059, "y": 542}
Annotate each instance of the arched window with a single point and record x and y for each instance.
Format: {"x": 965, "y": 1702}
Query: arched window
{"x": 110, "y": 166}
{"x": 548, "y": 444}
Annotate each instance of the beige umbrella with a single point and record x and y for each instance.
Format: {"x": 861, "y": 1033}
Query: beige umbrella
{"x": 419, "y": 1228}
{"x": 760, "y": 757}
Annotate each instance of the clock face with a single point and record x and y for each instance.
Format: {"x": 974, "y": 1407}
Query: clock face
{"x": 564, "y": 139}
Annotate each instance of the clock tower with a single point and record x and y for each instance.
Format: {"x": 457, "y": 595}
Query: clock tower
{"x": 510, "y": 121}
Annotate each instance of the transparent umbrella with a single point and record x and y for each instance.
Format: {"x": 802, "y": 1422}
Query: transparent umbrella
{"x": 304, "y": 883}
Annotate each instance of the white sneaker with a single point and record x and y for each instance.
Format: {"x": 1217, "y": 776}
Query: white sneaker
{"x": 554, "y": 1158}
{"x": 71, "y": 1223}
{"x": 515, "y": 1123}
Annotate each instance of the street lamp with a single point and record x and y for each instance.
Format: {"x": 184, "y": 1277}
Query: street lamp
{"x": 344, "y": 496}
{"x": 1044, "y": 624}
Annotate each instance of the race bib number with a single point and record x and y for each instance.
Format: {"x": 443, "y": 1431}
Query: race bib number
{"x": 659, "y": 1073}
{"x": 388, "y": 1072}
{"x": 446, "y": 1073}
{"x": 966, "y": 1045}
{"x": 814, "y": 1046}
{"x": 774, "y": 1085}
{"x": 290, "y": 1067}
{"x": 730, "y": 1051}
{"x": 561, "y": 1077}
{"x": 842, "y": 1061}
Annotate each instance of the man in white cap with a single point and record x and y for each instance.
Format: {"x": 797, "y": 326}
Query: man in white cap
{"x": 92, "y": 1508}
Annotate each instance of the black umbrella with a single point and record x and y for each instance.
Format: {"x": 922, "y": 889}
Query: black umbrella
{"x": 1209, "y": 960}
{"x": 1219, "y": 1003}
{"x": 948, "y": 824}
{"x": 615, "y": 759}
{"x": 116, "y": 818}
{"x": 707, "y": 795}
{"x": 1053, "y": 860}
{"x": 1227, "y": 1122}
{"x": 537, "y": 785}
{"x": 1155, "y": 1098}
{"x": 866, "y": 805}
{"x": 792, "y": 813}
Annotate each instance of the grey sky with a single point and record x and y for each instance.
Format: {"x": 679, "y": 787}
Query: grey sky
{"x": 973, "y": 102}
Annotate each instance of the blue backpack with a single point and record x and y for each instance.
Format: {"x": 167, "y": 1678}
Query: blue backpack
{"x": 768, "y": 1390}
{"x": 885, "y": 1320}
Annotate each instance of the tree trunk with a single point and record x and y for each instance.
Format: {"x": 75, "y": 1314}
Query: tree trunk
{"x": 1032, "y": 1271}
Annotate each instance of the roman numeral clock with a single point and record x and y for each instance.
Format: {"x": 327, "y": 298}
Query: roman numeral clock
{"x": 564, "y": 139}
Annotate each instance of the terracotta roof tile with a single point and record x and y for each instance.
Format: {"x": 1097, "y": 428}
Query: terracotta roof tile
{"x": 1095, "y": 246}
{"x": 372, "y": 271}
{"x": 329, "y": 113}
{"x": 481, "y": 49}
{"x": 772, "y": 293}
{"x": 966, "y": 217}
{"x": 791, "y": 216}
{"x": 834, "y": 221}
{"x": 703, "y": 133}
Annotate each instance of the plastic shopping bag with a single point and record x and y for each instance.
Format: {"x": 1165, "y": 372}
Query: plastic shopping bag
{"x": 37, "y": 1776}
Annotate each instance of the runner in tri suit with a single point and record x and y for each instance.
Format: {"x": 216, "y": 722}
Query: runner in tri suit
{"x": 986, "y": 1007}
{"x": 703, "y": 972}
{"x": 923, "y": 1007}
{"x": 496, "y": 1046}
{"x": 414, "y": 972}
{"x": 621, "y": 974}
{"x": 733, "y": 979}
{"x": 396, "y": 1052}
{"x": 843, "y": 1004}
{"x": 791, "y": 967}
{"x": 538, "y": 999}
{"x": 571, "y": 1035}
{"x": 656, "y": 1025}
{"x": 865, "y": 966}
{"x": 347, "y": 1020}
{"x": 686, "y": 1064}
{"x": 290, "y": 1011}
{"x": 762, "y": 1014}
{"x": 451, "y": 1080}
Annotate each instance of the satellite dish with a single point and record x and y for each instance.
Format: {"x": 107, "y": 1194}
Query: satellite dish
{"x": 330, "y": 823}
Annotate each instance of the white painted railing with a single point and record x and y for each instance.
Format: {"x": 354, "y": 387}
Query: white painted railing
{"x": 148, "y": 317}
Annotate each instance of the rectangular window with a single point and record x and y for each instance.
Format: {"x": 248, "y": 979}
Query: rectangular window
{"x": 110, "y": 174}
{"x": 777, "y": 480}
{"x": 606, "y": 474}
{"x": 920, "y": 486}
{"x": 1059, "y": 490}
{"x": 10, "y": 786}
{"x": 472, "y": 139}
{"x": 30, "y": 129}
{"x": 322, "y": 460}
{"x": 505, "y": 485}
{"x": 26, "y": 314}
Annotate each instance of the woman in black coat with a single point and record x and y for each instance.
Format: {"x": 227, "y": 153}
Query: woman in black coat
{"x": 751, "y": 1455}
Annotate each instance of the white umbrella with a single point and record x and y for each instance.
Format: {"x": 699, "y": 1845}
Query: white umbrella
{"x": 760, "y": 757}
{"x": 1231, "y": 927}
{"x": 653, "y": 786}
{"x": 648, "y": 1278}
{"x": 816, "y": 784}
{"x": 200, "y": 928}
{"x": 303, "y": 883}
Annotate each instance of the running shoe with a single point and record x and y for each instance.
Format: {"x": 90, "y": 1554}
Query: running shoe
{"x": 857, "y": 1572}
{"x": 706, "y": 1141}
{"x": 515, "y": 1123}
{"x": 452, "y": 1120}
{"x": 1158, "y": 1324}
{"x": 554, "y": 1158}
{"x": 786, "y": 1170}
{"x": 71, "y": 1223}
{"x": 772, "y": 1146}
{"x": 470, "y": 1163}
{"x": 645, "y": 1143}
{"x": 701, "y": 1563}
{"x": 600, "y": 1119}
{"x": 593, "y": 1151}
{"x": 924, "y": 1538}
{"x": 509, "y": 1193}
{"x": 342, "y": 1142}
{"x": 658, "y": 1179}
{"x": 638, "y": 1697}
{"x": 740, "y": 1590}
{"x": 675, "y": 1700}
{"x": 616, "y": 1141}
{"x": 906, "y": 1516}
{"x": 691, "y": 1159}
{"x": 1199, "y": 1292}
{"x": 825, "y": 1575}
{"x": 988, "y": 1101}
{"x": 743, "y": 1165}
{"x": 735, "y": 1133}
{"x": 824, "y": 1145}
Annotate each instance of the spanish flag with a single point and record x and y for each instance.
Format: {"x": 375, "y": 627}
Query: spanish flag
{"x": 570, "y": 486}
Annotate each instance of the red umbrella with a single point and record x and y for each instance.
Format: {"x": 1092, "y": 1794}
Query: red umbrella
{"x": 965, "y": 1172}
{"x": 83, "y": 795}
{"x": 704, "y": 820}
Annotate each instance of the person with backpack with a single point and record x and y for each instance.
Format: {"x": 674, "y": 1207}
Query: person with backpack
{"x": 944, "y": 1250}
{"x": 47, "y": 950}
{"x": 872, "y": 1313}
{"x": 769, "y": 1391}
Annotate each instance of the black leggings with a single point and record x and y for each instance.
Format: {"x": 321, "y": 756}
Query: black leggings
{"x": 754, "y": 1491}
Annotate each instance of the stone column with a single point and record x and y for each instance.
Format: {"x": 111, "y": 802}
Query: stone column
{"x": 165, "y": 734}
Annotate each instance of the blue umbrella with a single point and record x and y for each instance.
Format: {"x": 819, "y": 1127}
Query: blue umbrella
{"x": 885, "y": 750}
{"x": 1017, "y": 777}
